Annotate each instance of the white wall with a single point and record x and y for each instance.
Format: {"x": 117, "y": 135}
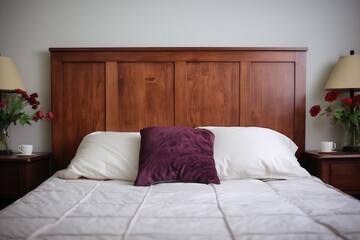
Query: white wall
{"x": 329, "y": 28}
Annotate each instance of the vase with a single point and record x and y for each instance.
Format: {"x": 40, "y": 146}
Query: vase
{"x": 353, "y": 139}
{"x": 4, "y": 141}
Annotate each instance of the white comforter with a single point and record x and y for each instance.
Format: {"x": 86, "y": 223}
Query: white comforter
{"x": 241, "y": 209}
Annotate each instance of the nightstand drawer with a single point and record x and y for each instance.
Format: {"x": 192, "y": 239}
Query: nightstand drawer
{"x": 21, "y": 174}
{"x": 340, "y": 169}
{"x": 345, "y": 176}
{"x": 9, "y": 182}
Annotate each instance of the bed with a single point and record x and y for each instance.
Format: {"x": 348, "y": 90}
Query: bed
{"x": 180, "y": 143}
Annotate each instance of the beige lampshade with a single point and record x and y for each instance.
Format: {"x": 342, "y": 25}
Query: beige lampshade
{"x": 346, "y": 74}
{"x": 9, "y": 76}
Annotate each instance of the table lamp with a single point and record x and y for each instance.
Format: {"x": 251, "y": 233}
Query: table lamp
{"x": 9, "y": 81}
{"x": 346, "y": 77}
{"x": 346, "y": 74}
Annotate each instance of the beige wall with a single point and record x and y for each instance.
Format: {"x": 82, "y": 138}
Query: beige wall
{"x": 329, "y": 28}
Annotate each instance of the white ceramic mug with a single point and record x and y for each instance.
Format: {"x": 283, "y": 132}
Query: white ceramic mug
{"x": 327, "y": 146}
{"x": 25, "y": 149}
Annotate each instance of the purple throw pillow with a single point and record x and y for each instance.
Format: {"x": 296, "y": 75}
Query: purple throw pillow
{"x": 176, "y": 154}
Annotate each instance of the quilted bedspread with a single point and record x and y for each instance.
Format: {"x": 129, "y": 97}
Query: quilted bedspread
{"x": 239, "y": 209}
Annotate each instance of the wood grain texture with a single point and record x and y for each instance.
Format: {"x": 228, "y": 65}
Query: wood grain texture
{"x": 80, "y": 108}
{"x": 212, "y": 94}
{"x": 112, "y": 94}
{"x": 126, "y": 89}
{"x": 269, "y": 92}
{"x": 83, "y": 101}
{"x": 146, "y": 95}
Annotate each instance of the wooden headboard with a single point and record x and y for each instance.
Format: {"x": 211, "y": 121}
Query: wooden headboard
{"x": 126, "y": 89}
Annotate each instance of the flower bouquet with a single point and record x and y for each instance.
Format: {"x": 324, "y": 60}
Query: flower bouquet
{"x": 345, "y": 110}
{"x": 18, "y": 107}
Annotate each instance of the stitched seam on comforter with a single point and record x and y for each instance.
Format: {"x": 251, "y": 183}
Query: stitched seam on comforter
{"x": 330, "y": 228}
{"x": 42, "y": 229}
{"x": 136, "y": 213}
{"x": 222, "y": 213}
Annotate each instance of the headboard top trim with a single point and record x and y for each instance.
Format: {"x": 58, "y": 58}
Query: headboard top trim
{"x": 114, "y": 49}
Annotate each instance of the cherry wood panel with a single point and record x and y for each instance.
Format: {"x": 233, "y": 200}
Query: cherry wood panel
{"x": 83, "y": 106}
{"x": 269, "y": 92}
{"x": 126, "y": 89}
{"x": 211, "y": 96}
{"x": 145, "y": 95}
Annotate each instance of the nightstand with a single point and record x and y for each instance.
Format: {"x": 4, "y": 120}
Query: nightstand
{"x": 21, "y": 174}
{"x": 339, "y": 169}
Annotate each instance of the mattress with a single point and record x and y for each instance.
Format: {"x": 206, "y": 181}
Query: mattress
{"x": 303, "y": 208}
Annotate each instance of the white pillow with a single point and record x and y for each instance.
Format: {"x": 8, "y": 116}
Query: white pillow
{"x": 254, "y": 152}
{"x": 105, "y": 155}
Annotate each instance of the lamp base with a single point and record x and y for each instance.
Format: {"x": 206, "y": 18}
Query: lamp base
{"x": 6, "y": 152}
{"x": 351, "y": 149}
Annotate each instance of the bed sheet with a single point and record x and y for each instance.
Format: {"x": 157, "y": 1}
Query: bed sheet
{"x": 238, "y": 209}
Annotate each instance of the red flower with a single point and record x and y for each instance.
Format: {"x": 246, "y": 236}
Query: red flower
{"x": 2, "y": 105}
{"x": 34, "y": 95}
{"x": 348, "y": 101}
{"x": 38, "y": 116}
{"x": 31, "y": 100}
{"x": 40, "y": 113}
{"x": 332, "y": 96}
{"x": 22, "y": 92}
{"x": 315, "y": 110}
{"x": 49, "y": 116}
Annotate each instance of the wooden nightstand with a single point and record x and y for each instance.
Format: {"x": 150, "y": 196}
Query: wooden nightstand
{"x": 339, "y": 169}
{"x": 21, "y": 174}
